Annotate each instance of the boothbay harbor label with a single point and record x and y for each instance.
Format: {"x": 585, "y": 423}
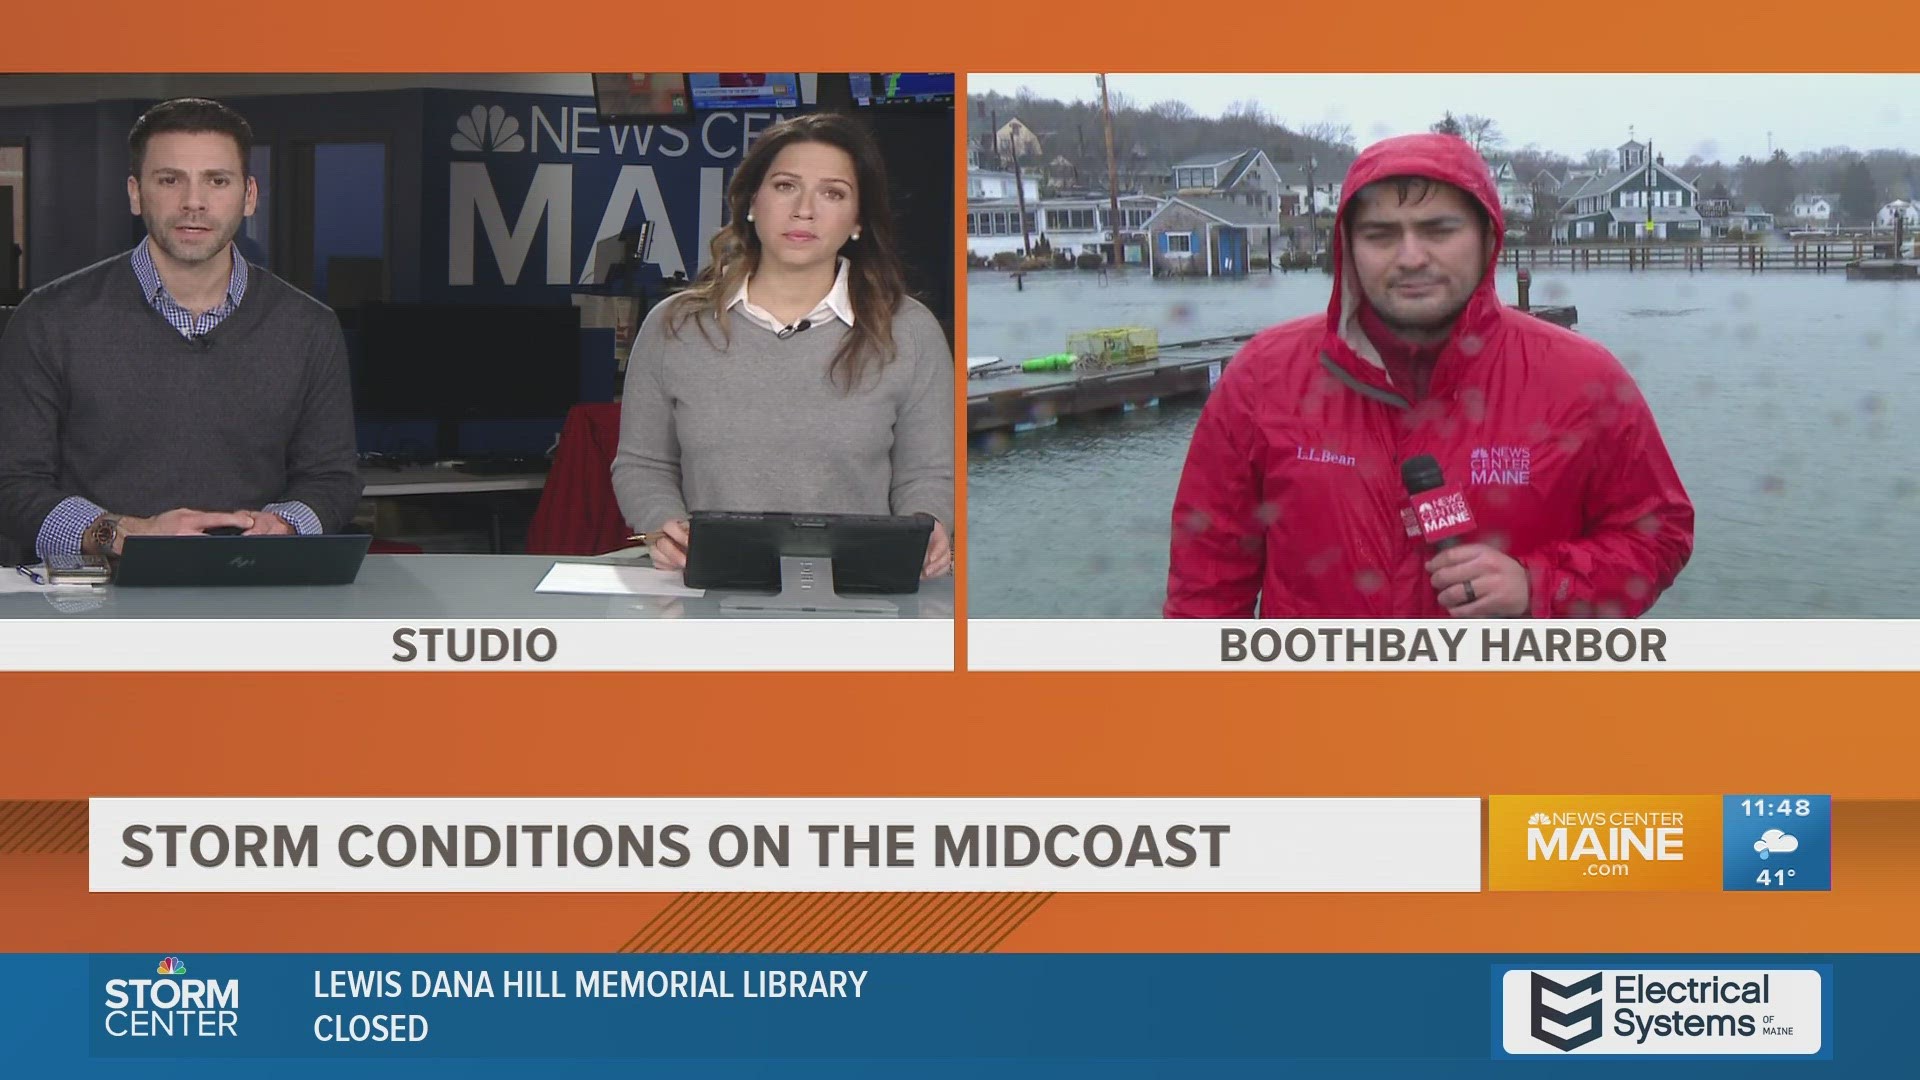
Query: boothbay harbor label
{"x": 1294, "y": 644}
{"x": 1442, "y": 644}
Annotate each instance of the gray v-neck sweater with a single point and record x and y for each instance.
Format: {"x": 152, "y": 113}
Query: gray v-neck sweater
{"x": 757, "y": 425}
{"x": 101, "y": 397}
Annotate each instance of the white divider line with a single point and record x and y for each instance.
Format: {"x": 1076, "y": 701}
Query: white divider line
{"x": 430, "y": 644}
{"x": 1481, "y": 645}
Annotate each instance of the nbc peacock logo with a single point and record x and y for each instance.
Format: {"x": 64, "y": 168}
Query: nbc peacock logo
{"x": 171, "y": 965}
{"x": 488, "y": 130}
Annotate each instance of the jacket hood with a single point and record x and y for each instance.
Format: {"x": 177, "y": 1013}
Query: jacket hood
{"x": 1447, "y": 159}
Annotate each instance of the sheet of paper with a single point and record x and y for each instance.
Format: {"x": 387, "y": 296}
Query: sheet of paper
{"x": 604, "y": 579}
{"x": 13, "y": 581}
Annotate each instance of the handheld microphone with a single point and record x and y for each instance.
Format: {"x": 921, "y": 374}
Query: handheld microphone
{"x": 786, "y": 332}
{"x": 1437, "y": 511}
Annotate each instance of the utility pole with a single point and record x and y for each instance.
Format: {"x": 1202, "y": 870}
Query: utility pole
{"x": 1113, "y": 181}
{"x": 1313, "y": 216}
{"x": 1019, "y": 185}
{"x": 1650, "y": 190}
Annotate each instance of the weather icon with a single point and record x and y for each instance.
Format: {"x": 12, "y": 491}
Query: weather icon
{"x": 1775, "y": 842}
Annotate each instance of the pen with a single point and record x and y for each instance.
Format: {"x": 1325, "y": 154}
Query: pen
{"x": 645, "y": 538}
{"x": 31, "y": 575}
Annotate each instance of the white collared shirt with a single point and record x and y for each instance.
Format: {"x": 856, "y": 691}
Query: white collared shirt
{"x": 838, "y": 304}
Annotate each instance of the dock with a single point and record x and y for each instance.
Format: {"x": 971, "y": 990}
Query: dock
{"x": 1003, "y": 398}
{"x": 1883, "y": 270}
{"x": 999, "y": 399}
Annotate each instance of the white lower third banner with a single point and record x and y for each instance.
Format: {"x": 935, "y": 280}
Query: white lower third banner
{"x": 1444, "y": 645}
{"x": 723, "y": 644}
{"x": 784, "y": 845}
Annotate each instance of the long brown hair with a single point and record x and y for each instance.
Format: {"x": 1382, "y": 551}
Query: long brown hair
{"x": 875, "y": 282}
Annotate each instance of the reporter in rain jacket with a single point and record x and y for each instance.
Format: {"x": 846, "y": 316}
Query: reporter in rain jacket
{"x": 1290, "y": 502}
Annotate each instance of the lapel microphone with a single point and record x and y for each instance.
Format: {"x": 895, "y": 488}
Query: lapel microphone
{"x": 786, "y": 332}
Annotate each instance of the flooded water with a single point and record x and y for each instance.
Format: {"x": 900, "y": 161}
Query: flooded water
{"x": 1790, "y": 402}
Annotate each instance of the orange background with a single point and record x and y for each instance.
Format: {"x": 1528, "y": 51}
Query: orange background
{"x": 981, "y": 734}
{"x": 614, "y": 35}
{"x": 70, "y": 737}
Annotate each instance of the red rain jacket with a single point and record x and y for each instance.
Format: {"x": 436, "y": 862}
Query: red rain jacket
{"x": 1291, "y": 497}
{"x": 577, "y": 513}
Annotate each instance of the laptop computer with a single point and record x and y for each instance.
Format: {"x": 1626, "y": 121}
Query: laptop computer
{"x": 214, "y": 561}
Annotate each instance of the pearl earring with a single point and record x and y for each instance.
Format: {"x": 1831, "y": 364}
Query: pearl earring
{"x": 749, "y": 215}
{"x": 856, "y": 234}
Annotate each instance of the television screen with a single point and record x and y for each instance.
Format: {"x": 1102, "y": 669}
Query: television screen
{"x": 745, "y": 90}
{"x": 467, "y": 362}
{"x": 830, "y": 91}
{"x": 641, "y": 95}
{"x": 902, "y": 88}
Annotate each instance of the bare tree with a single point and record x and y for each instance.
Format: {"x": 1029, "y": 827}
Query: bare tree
{"x": 1529, "y": 161}
{"x": 1171, "y": 110}
{"x": 1327, "y": 131}
{"x": 1248, "y": 111}
{"x": 1600, "y": 159}
{"x": 1482, "y": 133}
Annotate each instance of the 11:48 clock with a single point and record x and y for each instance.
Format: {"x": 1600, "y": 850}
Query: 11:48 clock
{"x": 1776, "y": 843}
{"x": 1768, "y": 807}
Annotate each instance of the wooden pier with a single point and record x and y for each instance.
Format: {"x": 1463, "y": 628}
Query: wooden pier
{"x": 999, "y": 399}
{"x": 1819, "y": 256}
{"x": 1003, "y": 397}
{"x": 1883, "y": 270}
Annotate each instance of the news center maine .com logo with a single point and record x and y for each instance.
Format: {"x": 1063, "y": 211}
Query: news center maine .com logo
{"x": 1656, "y": 1011}
{"x": 171, "y": 1005}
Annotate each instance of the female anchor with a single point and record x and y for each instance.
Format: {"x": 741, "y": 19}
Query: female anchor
{"x": 795, "y": 374}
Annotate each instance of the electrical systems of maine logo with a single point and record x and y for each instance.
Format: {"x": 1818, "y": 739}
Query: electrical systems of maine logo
{"x": 1574, "y": 1020}
{"x": 1708, "y": 1012}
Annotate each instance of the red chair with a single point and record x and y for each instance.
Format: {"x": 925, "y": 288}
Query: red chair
{"x": 578, "y": 514}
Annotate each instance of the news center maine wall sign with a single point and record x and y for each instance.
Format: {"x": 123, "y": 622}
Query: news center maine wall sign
{"x": 527, "y": 184}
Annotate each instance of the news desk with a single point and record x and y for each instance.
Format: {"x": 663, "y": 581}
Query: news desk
{"x": 416, "y": 586}
{"x": 492, "y": 491}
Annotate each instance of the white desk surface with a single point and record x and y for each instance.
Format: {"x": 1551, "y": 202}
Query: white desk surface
{"x": 412, "y": 587}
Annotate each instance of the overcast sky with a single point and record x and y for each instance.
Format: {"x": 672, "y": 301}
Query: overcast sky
{"x": 1719, "y": 117}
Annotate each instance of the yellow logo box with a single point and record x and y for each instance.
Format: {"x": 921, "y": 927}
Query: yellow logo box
{"x": 1603, "y": 843}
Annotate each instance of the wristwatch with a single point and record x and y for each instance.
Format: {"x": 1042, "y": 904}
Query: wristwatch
{"x": 99, "y": 538}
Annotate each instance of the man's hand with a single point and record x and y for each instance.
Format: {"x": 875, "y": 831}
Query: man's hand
{"x": 669, "y": 548}
{"x": 184, "y": 523}
{"x": 1478, "y": 581}
{"x": 267, "y": 523}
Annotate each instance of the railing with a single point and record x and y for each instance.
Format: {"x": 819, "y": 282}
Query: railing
{"x": 1817, "y": 255}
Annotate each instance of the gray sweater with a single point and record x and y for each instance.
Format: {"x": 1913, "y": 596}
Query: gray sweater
{"x": 100, "y": 397}
{"x": 757, "y": 425}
